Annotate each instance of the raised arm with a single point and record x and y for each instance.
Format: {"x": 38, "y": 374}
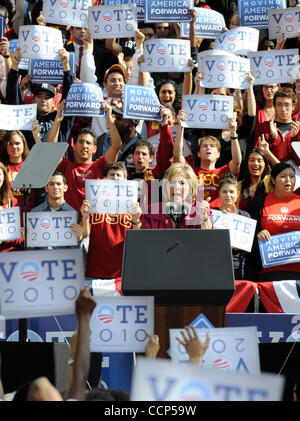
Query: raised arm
{"x": 116, "y": 141}
{"x": 264, "y": 147}
{"x": 85, "y": 218}
{"x": 84, "y": 307}
{"x": 194, "y": 347}
{"x": 54, "y": 131}
{"x": 178, "y": 143}
{"x": 251, "y": 101}
{"x": 236, "y": 155}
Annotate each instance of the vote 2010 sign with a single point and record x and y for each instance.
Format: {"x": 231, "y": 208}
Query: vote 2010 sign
{"x": 51, "y": 229}
{"x": 121, "y": 324}
{"x": 36, "y": 41}
{"x": 163, "y": 380}
{"x": 140, "y": 6}
{"x": 224, "y": 71}
{"x": 111, "y": 196}
{"x": 40, "y": 283}
{"x": 141, "y": 102}
{"x": 284, "y": 21}
{"x": 239, "y": 40}
{"x": 166, "y": 55}
{"x": 168, "y": 10}
{"x": 10, "y": 225}
{"x": 282, "y": 249}
{"x": 277, "y": 66}
{"x": 208, "y": 24}
{"x": 17, "y": 117}
{"x": 67, "y": 12}
{"x": 84, "y": 99}
{"x": 229, "y": 349}
{"x": 255, "y": 13}
{"x": 241, "y": 228}
{"x": 112, "y": 21}
{"x": 207, "y": 111}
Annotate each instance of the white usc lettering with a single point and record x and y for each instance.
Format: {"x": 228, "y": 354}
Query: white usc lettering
{"x": 124, "y": 219}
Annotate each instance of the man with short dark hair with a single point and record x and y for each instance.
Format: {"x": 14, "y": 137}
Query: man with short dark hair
{"x": 282, "y": 130}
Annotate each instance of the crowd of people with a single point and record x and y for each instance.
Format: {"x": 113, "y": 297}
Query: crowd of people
{"x": 250, "y": 169}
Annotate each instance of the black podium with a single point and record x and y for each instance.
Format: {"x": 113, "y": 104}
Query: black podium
{"x": 188, "y": 271}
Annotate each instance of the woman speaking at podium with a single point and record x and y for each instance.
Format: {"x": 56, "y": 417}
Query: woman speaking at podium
{"x": 179, "y": 208}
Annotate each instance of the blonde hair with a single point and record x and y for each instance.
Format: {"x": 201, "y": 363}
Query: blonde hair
{"x": 181, "y": 169}
{"x": 212, "y": 139}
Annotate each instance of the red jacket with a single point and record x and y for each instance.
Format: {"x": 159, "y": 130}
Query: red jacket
{"x": 279, "y": 147}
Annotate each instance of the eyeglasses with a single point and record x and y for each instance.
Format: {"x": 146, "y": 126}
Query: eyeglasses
{"x": 270, "y": 87}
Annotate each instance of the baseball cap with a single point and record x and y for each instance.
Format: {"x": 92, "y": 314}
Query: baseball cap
{"x": 114, "y": 68}
{"x": 43, "y": 87}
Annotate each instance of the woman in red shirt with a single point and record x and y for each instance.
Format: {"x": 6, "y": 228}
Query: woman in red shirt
{"x": 278, "y": 213}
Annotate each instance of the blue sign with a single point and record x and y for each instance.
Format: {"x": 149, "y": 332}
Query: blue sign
{"x": 13, "y": 44}
{"x": 141, "y": 102}
{"x": 282, "y": 249}
{"x": 168, "y": 11}
{"x": 270, "y": 327}
{"x": 140, "y": 6}
{"x": 2, "y": 26}
{"x": 208, "y": 24}
{"x": 84, "y": 99}
{"x": 51, "y": 71}
{"x": 254, "y": 14}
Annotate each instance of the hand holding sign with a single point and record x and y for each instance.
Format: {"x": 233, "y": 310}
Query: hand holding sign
{"x": 15, "y": 59}
{"x": 264, "y": 235}
{"x": 4, "y": 46}
{"x": 152, "y": 346}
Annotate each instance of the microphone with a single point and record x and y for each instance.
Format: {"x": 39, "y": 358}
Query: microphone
{"x": 183, "y": 209}
{"x": 170, "y": 209}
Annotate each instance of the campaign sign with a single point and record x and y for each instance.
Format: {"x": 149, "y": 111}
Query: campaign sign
{"x": 50, "y": 71}
{"x": 282, "y": 249}
{"x": 168, "y": 10}
{"x": 17, "y": 117}
{"x": 239, "y": 40}
{"x": 163, "y": 380}
{"x": 207, "y": 111}
{"x": 271, "y": 328}
{"x": 2, "y": 328}
{"x": 224, "y": 71}
{"x": 255, "y": 13}
{"x": 51, "y": 229}
{"x": 241, "y": 228}
{"x": 140, "y": 6}
{"x": 10, "y": 225}
{"x": 111, "y": 196}
{"x": 2, "y": 26}
{"x": 84, "y": 99}
{"x": 229, "y": 349}
{"x": 208, "y": 24}
{"x": 276, "y": 66}
{"x": 112, "y": 21}
{"x": 24, "y": 62}
{"x": 36, "y": 41}
{"x": 166, "y": 55}
{"x": 40, "y": 283}
{"x": 67, "y": 12}
{"x": 141, "y": 102}
{"x": 284, "y": 21}
{"x": 121, "y": 324}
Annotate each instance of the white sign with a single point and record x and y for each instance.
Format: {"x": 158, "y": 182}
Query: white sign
{"x": 10, "y": 225}
{"x": 113, "y": 21}
{"x": 121, "y": 324}
{"x": 51, "y": 229}
{"x": 276, "y": 66}
{"x": 67, "y": 12}
{"x": 166, "y": 55}
{"x": 207, "y": 111}
{"x": 284, "y": 21}
{"x": 239, "y": 40}
{"x": 40, "y": 283}
{"x": 222, "y": 71}
{"x": 36, "y": 41}
{"x": 241, "y": 228}
{"x": 163, "y": 380}
{"x": 230, "y": 349}
{"x": 17, "y": 117}
{"x": 111, "y": 196}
